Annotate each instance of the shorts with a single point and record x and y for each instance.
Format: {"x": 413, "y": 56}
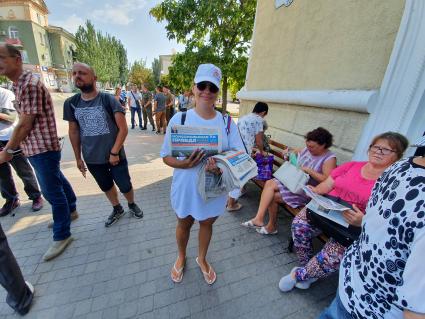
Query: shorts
{"x": 106, "y": 174}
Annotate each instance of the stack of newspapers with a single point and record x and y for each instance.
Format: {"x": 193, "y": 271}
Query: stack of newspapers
{"x": 237, "y": 168}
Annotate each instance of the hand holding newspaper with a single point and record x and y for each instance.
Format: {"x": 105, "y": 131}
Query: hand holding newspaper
{"x": 326, "y": 207}
{"x": 237, "y": 169}
{"x": 324, "y": 202}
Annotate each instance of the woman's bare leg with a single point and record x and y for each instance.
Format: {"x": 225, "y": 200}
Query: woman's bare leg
{"x": 267, "y": 197}
{"x": 182, "y": 237}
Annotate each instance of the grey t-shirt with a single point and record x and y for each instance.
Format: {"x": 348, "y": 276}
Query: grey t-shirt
{"x": 160, "y": 98}
{"x": 98, "y": 129}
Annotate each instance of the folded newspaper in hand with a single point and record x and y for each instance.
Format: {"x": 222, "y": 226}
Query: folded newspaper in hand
{"x": 186, "y": 139}
{"x": 324, "y": 202}
{"x": 326, "y": 207}
{"x": 237, "y": 169}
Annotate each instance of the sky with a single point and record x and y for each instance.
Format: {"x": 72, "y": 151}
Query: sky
{"x": 127, "y": 20}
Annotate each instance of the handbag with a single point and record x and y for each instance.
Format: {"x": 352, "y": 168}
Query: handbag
{"x": 343, "y": 235}
{"x": 265, "y": 166}
{"x": 292, "y": 177}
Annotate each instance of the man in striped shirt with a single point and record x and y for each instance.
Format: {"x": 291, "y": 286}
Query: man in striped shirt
{"x": 36, "y": 134}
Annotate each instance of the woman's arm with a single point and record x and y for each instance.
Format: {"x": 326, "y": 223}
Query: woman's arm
{"x": 412, "y": 315}
{"x": 327, "y": 168}
{"x": 324, "y": 187}
{"x": 189, "y": 162}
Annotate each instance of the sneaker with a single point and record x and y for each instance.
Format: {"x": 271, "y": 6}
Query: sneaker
{"x": 9, "y": 206}
{"x": 135, "y": 210}
{"x": 57, "y": 248}
{"x": 132, "y": 127}
{"x": 37, "y": 204}
{"x": 157, "y": 132}
{"x": 287, "y": 283}
{"x": 74, "y": 216}
{"x": 305, "y": 284}
{"x": 143, "y": 128}
{"x": 113, "y": 218}
{"x": 153, "y": 129}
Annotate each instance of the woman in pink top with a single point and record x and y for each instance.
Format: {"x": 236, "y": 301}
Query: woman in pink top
{"x": 352, "y": 182}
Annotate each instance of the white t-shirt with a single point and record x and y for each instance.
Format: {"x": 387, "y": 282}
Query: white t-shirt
{"x": 185, "y": 198}
{"x": 131, "y": 96}
{"x": 382, "y": 272}
{"x": 6, "y": 106}
{"x": 249, "y": 126}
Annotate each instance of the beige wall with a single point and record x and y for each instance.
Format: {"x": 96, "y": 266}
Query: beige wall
{"x": 288, "y": 124}
{"x": 17, "y": 10}
{"x": 323, "y": 44}
{"x": 320, "y": 45}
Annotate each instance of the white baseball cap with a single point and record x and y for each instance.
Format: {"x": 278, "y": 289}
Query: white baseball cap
{"x": 420, "y": 142}
{"x": 208, "y": 72}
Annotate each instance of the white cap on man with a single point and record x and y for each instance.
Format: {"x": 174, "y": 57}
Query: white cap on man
{"x": 208, "y": 72}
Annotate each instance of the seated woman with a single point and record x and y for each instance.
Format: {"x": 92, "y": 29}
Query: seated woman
{"x": 353, "y": 183}
{"x": 316, "y": 160}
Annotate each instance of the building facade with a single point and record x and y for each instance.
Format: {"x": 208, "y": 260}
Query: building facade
{"x": 165, "y": 62}
{"x": 353, "y": 67}
{"x": 45, "y": 49}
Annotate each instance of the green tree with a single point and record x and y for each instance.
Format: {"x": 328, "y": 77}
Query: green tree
{"x": 105, "y": 53}
{"x": 140, "y": 74}
{"x": 223, "y": 27}
{"x": 156, "y": 70}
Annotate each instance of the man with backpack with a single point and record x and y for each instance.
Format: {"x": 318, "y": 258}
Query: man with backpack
{"x": 98, "y": 129}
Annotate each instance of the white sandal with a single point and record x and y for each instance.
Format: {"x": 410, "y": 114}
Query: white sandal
{"x": 250, "y": 224}
{"x": 263, "y": 231}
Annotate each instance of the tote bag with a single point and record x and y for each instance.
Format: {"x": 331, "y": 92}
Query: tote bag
{"x": 292, "y": 177}
{"x": 265, "y": 166}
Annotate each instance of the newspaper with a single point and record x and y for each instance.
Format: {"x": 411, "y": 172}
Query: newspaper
{"x": 333, "y": 215}
{"x": 242, "y": 166}
{"x": 185, "y": 139}
{"x": 237, "y": 168}
{"x": 323, "y": 202}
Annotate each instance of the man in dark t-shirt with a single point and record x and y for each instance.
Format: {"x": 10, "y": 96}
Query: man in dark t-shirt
{"x": 97, "y": 128}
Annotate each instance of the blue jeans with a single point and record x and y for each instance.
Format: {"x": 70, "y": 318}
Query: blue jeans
{"x": 336, "y": 310}
{"x": 133, "y": 110}
{"x": 57, "y": 190}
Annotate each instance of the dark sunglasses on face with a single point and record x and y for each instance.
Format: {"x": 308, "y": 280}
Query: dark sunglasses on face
{"x": 205, "y": 84}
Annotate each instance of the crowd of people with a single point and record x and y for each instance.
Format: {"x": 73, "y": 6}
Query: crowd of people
{"x": 379, "y": 274}
{"x": 161, "y": 104}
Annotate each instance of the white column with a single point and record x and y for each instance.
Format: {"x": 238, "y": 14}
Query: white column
{"x": 400, "y": 104}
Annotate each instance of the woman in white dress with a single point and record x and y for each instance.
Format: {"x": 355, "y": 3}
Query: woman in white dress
{"x": 185, "y": 199}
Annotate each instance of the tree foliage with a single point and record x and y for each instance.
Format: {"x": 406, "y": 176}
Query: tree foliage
{"x": 156, "y": 70}
{"x": 105, "y": 53}
{"x": 218, "y": 29}
{"x": 140, "y": 74}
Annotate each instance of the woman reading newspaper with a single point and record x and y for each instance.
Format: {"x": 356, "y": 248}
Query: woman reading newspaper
{"x": 352, "y": 182}
{"x": 185, "y": 199}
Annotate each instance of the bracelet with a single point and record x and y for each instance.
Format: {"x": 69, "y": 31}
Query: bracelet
{"x": 114, "y": 154}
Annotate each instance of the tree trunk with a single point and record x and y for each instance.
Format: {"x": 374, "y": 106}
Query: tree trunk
{"x": 224, "y": 95}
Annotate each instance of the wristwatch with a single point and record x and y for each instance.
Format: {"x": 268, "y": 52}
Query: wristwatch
{"x": 13, "y": 152}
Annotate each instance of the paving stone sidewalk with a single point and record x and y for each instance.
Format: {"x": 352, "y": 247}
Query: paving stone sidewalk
{"x": 123, "y": 271}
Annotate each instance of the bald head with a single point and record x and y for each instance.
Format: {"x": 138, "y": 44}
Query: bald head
{"x": 85, "y": 66}
{"x": 84, "y": 77}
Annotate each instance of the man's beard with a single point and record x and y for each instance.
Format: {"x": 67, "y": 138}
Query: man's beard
{"x": 86, "y": 88}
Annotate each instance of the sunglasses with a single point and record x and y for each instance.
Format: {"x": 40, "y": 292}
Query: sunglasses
{"x": 203, "y": 85}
